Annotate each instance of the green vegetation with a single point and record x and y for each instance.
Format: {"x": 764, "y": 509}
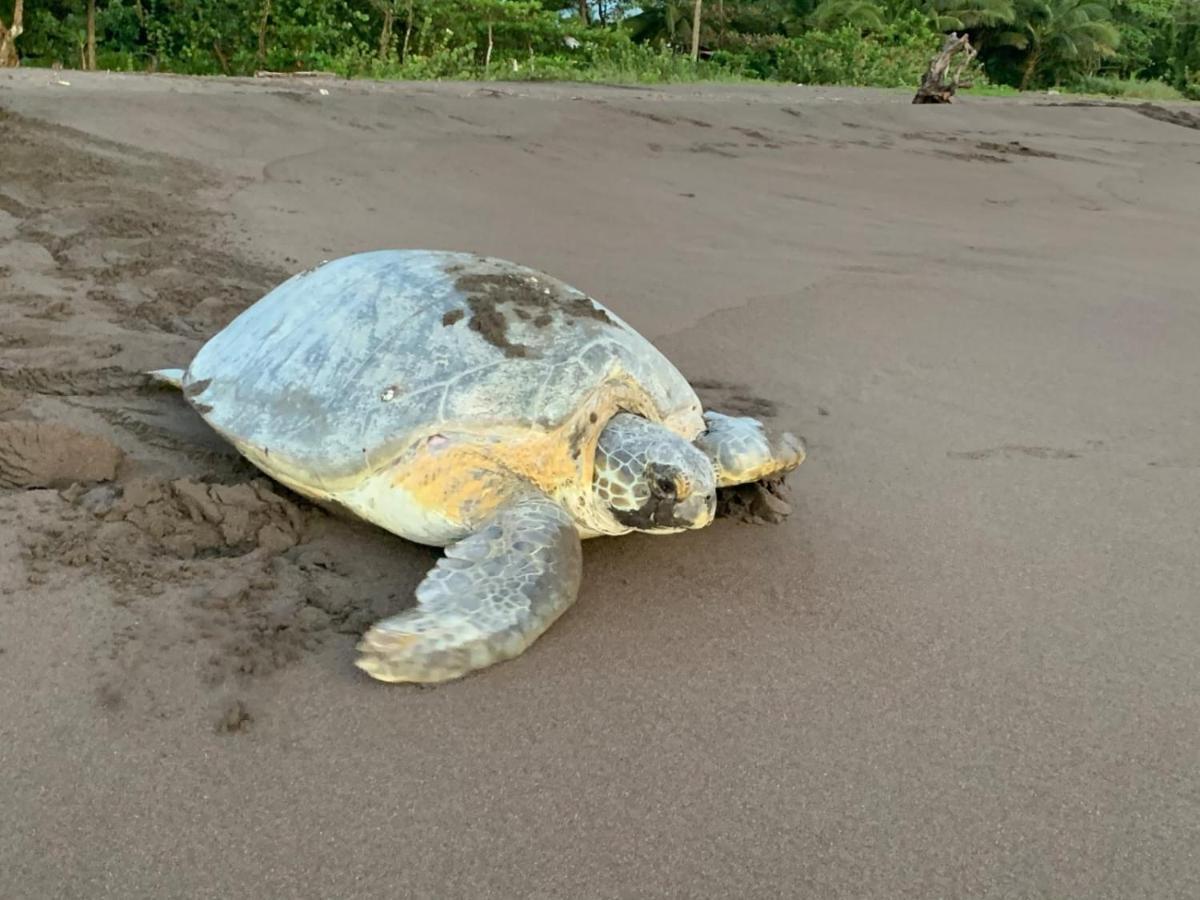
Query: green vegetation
{"x": 1131, "y": 88}
{"x": 1136, "y": 48}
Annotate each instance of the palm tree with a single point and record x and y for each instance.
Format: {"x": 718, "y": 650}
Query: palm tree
{"x": 967, "y": 15}
{"x": 1184, "y": 38}
{"x": 8, "y": 38}
{"x": 831, "y": 14}
{"x": 946, "y": 15}
{"x": 669, "y": 20}
{"x": 673, "y": 21}
{"x": 696, "y": 31}
{"x": 1060, "y": 35}
{"x": 91, "y": 36}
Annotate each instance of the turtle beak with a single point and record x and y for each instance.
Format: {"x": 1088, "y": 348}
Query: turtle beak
{"x": 697, "y": 511}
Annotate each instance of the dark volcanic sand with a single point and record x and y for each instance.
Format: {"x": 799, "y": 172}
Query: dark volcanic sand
{"x": 964, "y": 667}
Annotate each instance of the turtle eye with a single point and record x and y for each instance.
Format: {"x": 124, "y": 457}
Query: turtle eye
{"x": 665, "y": 485}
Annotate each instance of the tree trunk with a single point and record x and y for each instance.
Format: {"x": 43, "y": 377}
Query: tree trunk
{"x": 261, "y": 56}
{"x": 696, "y": 31}
{"x": 1031, "y": 63}
{"x": 584, "y": 14}
{"x": 8, "y": 38}
{"x": 408, "y": 22}
{"x": 222, "y": 60}
{"x": 487, "y": 59}
{"x": 385, "y": 33}
{"x": 91, "y": 35}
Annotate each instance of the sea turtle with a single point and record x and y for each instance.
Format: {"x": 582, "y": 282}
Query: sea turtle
{"x": 470, "y": 403}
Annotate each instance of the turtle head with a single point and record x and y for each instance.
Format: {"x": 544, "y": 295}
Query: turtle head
{"x": 649, "y": 478}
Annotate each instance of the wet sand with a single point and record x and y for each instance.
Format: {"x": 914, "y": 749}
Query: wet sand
{"x": 964, "y": 667}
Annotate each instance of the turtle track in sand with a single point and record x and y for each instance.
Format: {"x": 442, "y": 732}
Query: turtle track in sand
{"x": 50, "y": 454}
{"x": 732, "y": 399}
{"x": 103, "y": 381}
{"x": 121, "y": 227}
{"x": 111, "y": 264}
{"x": 215, "y": 579}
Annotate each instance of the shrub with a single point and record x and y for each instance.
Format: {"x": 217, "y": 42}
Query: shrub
{"x": 894, "y": 55}
{"x": 1127, "y": 87}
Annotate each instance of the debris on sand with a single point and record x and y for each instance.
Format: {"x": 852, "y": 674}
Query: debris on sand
{"x": 765, "y": 502}
{"x": 235, "y": 717}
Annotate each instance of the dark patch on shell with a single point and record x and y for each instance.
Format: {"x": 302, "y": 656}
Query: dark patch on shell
{"x": 452, "y": 316}
{"x": 491, "y": 324}
{"x": 197, "y": 387}
{"x": 528, "y": 301}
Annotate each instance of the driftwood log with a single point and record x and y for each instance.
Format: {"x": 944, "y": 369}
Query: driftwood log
{"x": 938, "y": 85}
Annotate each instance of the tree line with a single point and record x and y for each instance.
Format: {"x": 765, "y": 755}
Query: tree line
{"x": 1021, "y": 43}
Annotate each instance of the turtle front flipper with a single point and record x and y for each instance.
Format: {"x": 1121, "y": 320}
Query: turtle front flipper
{"x": 492, "y": 595}
{"x": 742, "y": 450}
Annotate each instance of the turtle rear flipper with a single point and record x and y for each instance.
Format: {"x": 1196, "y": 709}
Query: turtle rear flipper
{"x": 492, "y": 595}
{"x": 170, "y": 377}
